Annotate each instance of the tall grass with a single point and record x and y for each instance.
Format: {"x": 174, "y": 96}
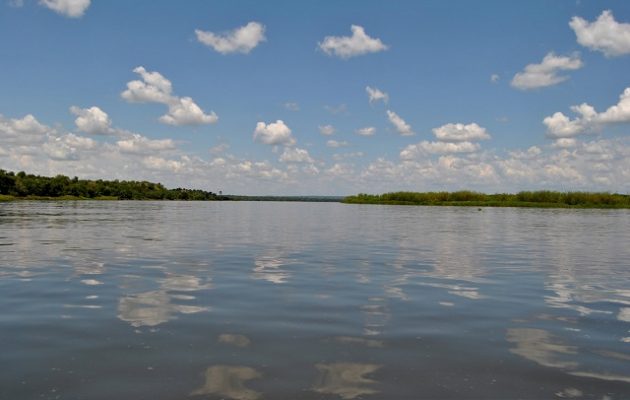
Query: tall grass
{"x": 542, "y": 198}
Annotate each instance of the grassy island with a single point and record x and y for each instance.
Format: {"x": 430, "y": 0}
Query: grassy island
{"x": 543, "y": 199}
{"x": 23, "y": 186}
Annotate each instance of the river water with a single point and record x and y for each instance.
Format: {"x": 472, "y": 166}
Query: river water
{"x": 260, "y": 300}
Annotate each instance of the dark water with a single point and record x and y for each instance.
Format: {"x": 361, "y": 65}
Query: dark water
{"x": 169, "y": 300}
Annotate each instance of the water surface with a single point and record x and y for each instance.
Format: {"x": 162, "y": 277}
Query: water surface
{"x": 256, "y": 300}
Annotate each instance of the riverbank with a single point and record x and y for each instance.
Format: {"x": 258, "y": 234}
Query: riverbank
{"x": 6, "y": 197}
{"x": 537, "y": 199}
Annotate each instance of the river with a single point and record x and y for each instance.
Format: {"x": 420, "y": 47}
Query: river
{"x": 282, "y": 300}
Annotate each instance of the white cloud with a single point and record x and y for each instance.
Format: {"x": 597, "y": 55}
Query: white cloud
{"x": 159, "y": 163}
{"x": 451, "y": 139}
{"x": 367, "y": 131}
{"x": 350, "y": 46}
{"x": 274, "y": 133}
{"x": 375, "y": 95}
{"x": 155, "y": 88}
{"x": 220, "y": 148}
{"x": 28, "y": 125}
{"x": 92, "y": 120}
{"x": 336, "y": 144}
{"x": 240, "y": 40}
{"x": 448, "y": 147}
{"x": 139, "y": 144}
{"x": 546, "y": 73}
{"x": 460, "y": 132}
{"x": 531, "y": 153}
{"x": 588, "y": 120}
{"x": 412, "y": 151}
{"x": 67, "y": 147}
{"x": 494, "y": 78}
{"x": 605, "y": 34}
{"x": 68, "y": 8}
{"x": 295, "y": 155}
{"x": 343, "y": 156}
{"x": 564, "y": 143}
{"x": 326, "y": 130}
{"x": 401, "y": 126}
{"x": 79, "y": 142}
{"x": 184, "y": 111}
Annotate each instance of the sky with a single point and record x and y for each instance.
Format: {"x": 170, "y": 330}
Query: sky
{"x": 319, "y": 97}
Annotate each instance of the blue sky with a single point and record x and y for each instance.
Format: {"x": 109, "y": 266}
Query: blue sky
{"x": 462, "y": 109}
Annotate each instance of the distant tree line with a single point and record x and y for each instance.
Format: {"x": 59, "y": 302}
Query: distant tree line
{"x": 23, "y": 185}
{"x": 542, "y": 198}
{"x": 311, "y": 199}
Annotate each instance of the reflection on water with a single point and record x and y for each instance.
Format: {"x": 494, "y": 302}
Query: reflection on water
{"x": 228, "y": 381}
{"x": 152, "y": 308}
{"x": 407, "y": 302}
{"x": 234, "y": 339}
{"x": 271, "y": 268}
{"x": 347, "y": 380}
{"x": 539, "y": 346}
{"x": 359, "y": 340}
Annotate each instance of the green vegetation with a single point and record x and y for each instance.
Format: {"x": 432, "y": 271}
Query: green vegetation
{"x": 34, "y": 187}
{"x": 522, "y": 199}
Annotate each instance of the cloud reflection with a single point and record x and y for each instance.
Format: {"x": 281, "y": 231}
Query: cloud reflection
{"x": 538, "y": 345}
{"x": 269, "y": 268}
{"x": 151, "y": 308}
{"x": 229, "y": 381}
{"x": 346, "y": 379}
{"x": 234, "y": 339}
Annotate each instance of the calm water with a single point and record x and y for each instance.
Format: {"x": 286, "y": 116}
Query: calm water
{"x": 176, "y": 300}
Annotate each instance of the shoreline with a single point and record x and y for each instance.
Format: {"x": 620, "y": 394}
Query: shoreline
{"x": 537, "y": 199}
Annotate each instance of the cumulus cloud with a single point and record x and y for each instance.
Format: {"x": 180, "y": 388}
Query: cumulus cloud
{"x": 376, "y": 95}
{"x": 605, "y": 34}
{"x": 564, "y": 143}
{"x": 92, "y": 120}
{"x": 184, "y": 111}
{"x": 240, "y": 40}
{"x": 412, "y": 151}
{"x": 295, "y": 155}
{"x": 336, "y": 144}
{"x": 401, "y": 126}
{"x": 547, "y": 72}
{"x": 220, "y": 148}
{"x": 68, "y": 8}
{"x": 350, "y": 46}
{"x": 274, "y": 133}
{"x": 163, "y": 164}
{"x": 451, "y": 139}
{"x": 155, "y": 88}
{"x": 139, "y": 144}
{"x": 344, "y": 156}
{"x": 67, "y": 147}
{"x": 494, "y": 78}
{"x": 27, "y": 125}
{"x": 588, "y": 119}
{"x": 326, "y": 130}
{"x": 460, "y": 133}
{"x": 367, "y": 131}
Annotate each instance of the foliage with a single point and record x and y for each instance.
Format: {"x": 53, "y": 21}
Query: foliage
{"x": 22, "y": 185}
{"x": 541, "y": 198}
